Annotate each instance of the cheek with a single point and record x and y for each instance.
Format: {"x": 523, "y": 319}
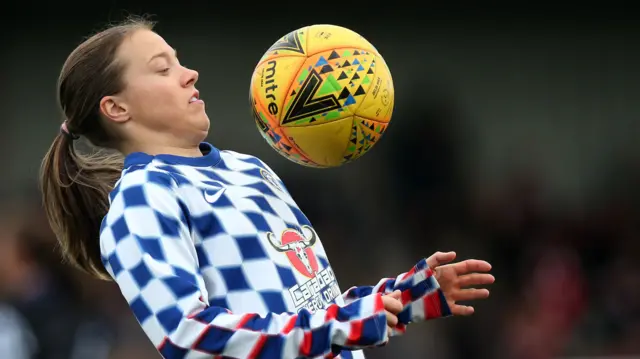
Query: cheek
{"x": 153, "y": 98}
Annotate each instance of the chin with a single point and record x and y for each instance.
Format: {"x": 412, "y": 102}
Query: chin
{"x": 202, "y": 128}
{"x": 195, "y": 136}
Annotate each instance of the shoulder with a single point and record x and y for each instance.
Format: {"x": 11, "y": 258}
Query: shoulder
{"x": 250, "y": 160}
{"x": 142, "y": 186}
{"x": 142, "y": 200}
{"x": 143, "y": 176}
{"x": 253, "y": 166}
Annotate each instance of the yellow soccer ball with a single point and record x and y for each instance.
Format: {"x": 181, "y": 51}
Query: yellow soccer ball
{"x": 322, "y": 96}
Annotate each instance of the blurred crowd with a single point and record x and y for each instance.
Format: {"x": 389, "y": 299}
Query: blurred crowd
{"x": 567, "y": 276}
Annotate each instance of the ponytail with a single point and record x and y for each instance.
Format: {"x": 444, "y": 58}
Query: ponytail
{"x": 76, "y": 186}
{"x": 75, "y": 189}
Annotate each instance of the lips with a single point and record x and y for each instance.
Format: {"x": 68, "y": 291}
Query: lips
{"x": 195, "y": 98}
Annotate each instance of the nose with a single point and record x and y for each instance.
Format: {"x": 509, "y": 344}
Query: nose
{"x": 189, "y": 78}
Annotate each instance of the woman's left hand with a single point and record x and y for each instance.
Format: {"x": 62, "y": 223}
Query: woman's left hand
{"x": 457, "y": 280}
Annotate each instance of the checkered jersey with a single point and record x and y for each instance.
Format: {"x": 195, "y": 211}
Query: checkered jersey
{"x": 421, "y": 296}
{"x": 216, "y": 260}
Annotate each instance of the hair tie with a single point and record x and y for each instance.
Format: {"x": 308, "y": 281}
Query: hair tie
{"x": 65, "y": 131}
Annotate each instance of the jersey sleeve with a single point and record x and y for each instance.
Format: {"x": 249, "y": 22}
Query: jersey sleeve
{"x": 147, "y": 248}
{"x": 421, "y": 296}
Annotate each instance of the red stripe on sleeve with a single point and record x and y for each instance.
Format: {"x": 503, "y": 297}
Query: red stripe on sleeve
{"x": 408, "y": 274}
{"x": 305, "y": 346}
{"x": 290, "y": 325}
{"x": 245, "y": 318}
{"x": 258, "y": 347}
{"x": 379, "y": 305}
{"x": 432, "y": 308}
{"x": 332, "y": 313}
{"x": 405, "y": 297}
{"x": 355, "y": 333}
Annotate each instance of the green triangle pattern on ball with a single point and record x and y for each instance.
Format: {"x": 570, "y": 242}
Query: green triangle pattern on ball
{"x": 344, "y": 77}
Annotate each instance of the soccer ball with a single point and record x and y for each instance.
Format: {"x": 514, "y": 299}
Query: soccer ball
{"x": 322, "y": 96}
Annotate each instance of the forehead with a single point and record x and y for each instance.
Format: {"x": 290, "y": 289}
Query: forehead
{"x": 138, "y": 48}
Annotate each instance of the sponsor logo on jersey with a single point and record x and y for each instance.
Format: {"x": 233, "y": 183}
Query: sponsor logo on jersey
{"x": 321, "y": 288}
{"x": 316, "y": 293}
{"x": 297, "y": 247}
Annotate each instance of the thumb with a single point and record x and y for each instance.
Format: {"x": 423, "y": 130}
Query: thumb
{"x": 439, "y": 258}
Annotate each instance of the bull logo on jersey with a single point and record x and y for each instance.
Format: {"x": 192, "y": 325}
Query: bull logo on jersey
{"x": 297, "y": 247}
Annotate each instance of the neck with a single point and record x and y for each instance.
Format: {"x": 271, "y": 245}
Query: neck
{"x": 153, "y": 149}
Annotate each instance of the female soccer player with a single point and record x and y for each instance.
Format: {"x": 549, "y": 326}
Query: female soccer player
{"x": 207, "y": 246}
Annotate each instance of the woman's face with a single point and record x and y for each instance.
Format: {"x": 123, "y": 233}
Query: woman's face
{"x": 160, "y": 95}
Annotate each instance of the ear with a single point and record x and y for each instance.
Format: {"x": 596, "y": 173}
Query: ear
{"x": 114, "y": 109}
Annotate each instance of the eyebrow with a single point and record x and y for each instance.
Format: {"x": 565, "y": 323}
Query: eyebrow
{"x": 163, "y": 54}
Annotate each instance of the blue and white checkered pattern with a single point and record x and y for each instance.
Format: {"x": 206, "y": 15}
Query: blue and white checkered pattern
{"x": 216, "y": 259}
{"x": 421, "y": 295}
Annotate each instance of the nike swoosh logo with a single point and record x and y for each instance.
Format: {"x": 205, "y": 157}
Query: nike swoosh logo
{"x": 213, "y": 197}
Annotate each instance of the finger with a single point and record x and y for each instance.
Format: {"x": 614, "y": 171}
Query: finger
{"x": 470, "y": 294}
{"x": 392, "y": 320}
{"x": 440, "y": 258}
{"x": 391, "y": 304}
{"x": 472, "y": 265}
{"x": 462, "y": 310}
{"x": 396, "y": 294}
{"x": 475, "y": 279}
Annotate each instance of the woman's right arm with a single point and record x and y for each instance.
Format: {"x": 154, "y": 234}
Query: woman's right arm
{"x": 147, "y": 248}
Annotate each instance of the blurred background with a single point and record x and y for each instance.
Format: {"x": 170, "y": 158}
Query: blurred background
{"x": 513, "y": 140}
